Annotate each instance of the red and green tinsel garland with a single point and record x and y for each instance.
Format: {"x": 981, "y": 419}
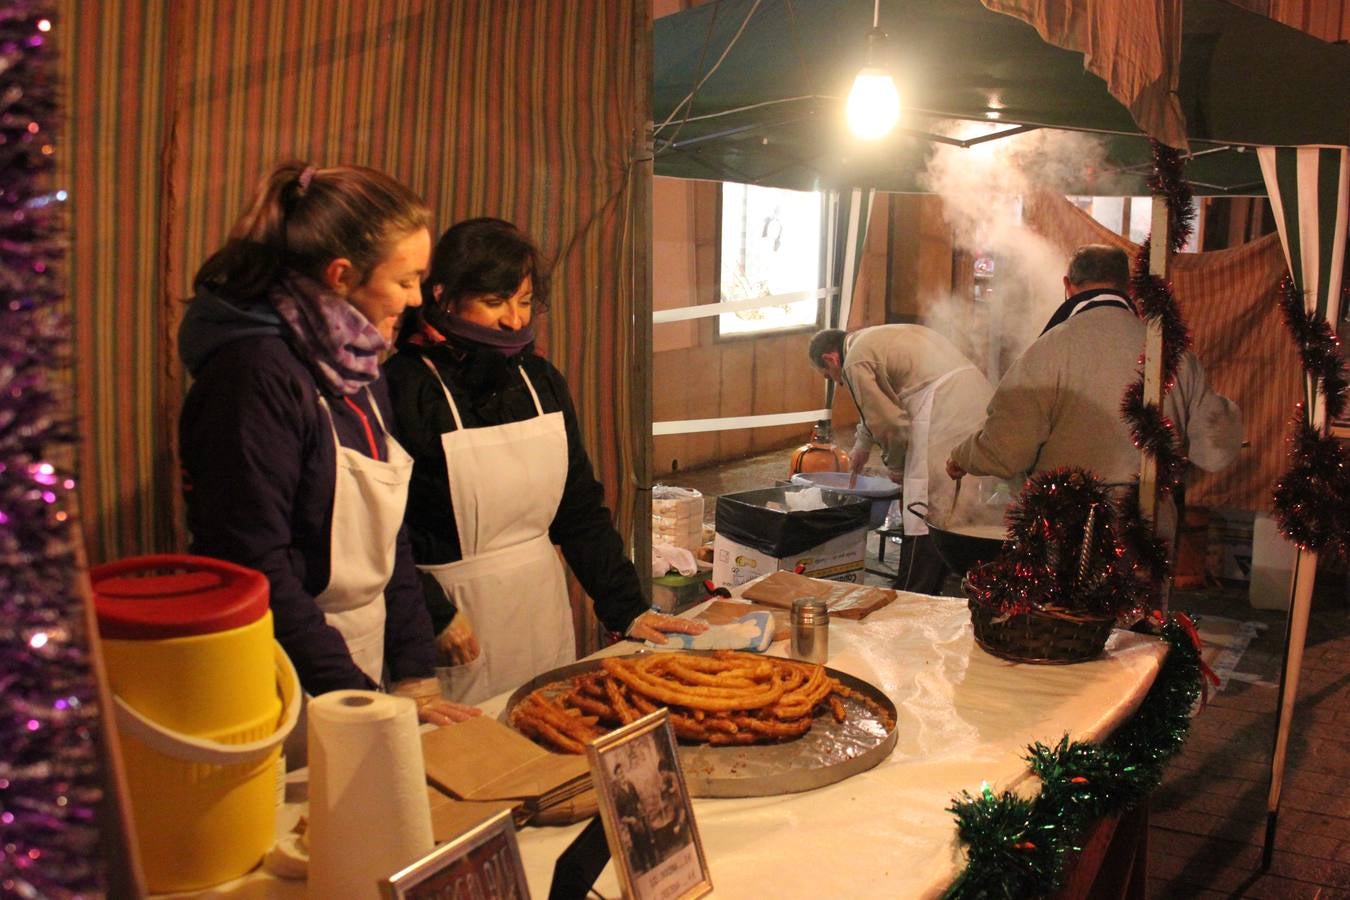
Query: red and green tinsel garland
{"x": 1152, "y": 431}
{"x": 1064, "y": 551}
{"x": 1312, "y": 500}
{"x": 1017, "y": 847}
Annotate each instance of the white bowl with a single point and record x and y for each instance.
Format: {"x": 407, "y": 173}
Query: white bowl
{"x": 881, "y": 491}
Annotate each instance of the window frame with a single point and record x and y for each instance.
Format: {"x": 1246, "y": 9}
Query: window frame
{"x": 823, "y": 292}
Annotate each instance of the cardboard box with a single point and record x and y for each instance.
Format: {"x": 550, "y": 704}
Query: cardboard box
{"x": 839, "y": 559}
{"x": 674, "y": 593}
{"x": 759, "y": 532}
{"x": 1272, "y": 565}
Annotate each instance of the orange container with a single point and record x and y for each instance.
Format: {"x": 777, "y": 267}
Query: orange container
{"x": 820, "y": 454}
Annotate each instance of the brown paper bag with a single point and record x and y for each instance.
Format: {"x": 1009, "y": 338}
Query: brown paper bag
{"x": 450, "y": 817}
{"x": 481, "y": 759}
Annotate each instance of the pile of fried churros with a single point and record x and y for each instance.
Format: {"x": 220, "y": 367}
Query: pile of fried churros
{"x": 723, "y": 698}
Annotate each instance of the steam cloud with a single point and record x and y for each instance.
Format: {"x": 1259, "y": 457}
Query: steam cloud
{"x": 982, "y": 189}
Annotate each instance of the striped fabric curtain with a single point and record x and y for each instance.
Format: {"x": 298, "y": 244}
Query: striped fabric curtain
{"x": 1308, "y": 194}
{"x": 114, "y": 69}
{"x": 523, "y": 110}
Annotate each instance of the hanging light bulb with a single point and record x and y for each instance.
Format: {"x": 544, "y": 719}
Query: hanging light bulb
{"x": 873, "y": 105}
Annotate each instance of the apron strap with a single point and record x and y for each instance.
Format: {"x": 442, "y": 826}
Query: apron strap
{"x": 939, "y": 382}
{"x": 454, "y": 410}
{"x": 538, "y": 407}
{"x": 332, "y": 426}
{"x": 375, "y": 406}
{"x": 323, "y": 403}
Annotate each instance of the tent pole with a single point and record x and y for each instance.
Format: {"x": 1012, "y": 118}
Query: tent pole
{"x": 1296, "y": 635}
{"x": 1308, "y": 189}
{"x": 1295, "y": 639}
{"x": 832, "y": 297}
{"x": 850, "y": 271}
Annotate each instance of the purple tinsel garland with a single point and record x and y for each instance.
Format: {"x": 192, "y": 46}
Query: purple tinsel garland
{"x": 50, "y": 771}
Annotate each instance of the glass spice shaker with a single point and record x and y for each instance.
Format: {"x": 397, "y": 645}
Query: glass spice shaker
{"x": 810, "y": 630}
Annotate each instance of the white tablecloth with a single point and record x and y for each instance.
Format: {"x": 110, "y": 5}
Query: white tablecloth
{"x": 964, "y": 718}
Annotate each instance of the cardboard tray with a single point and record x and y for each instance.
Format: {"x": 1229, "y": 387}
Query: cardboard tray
{"x": 844, "y": 600}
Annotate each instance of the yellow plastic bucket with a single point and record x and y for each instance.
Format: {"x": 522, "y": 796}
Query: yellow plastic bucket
{"x": 204, "y": 697}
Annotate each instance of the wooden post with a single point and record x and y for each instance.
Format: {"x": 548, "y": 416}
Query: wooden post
{"x": 116, "y": 827}
{"x": 640, "y": 246}
{"x": 1153, "y": 347}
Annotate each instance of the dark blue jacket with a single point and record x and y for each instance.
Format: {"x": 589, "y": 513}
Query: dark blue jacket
{"x": 258, "y": 477}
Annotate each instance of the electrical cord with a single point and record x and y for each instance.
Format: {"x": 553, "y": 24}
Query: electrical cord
{"x": 688, "y": 101}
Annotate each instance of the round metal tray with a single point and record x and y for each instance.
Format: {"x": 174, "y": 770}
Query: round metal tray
{"x": 831, "y": 751}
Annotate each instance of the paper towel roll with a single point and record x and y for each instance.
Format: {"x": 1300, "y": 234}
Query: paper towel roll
{"x": 368, "y": 810}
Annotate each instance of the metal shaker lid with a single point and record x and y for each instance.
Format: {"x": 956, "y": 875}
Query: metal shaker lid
{"x": 810, "y": 610}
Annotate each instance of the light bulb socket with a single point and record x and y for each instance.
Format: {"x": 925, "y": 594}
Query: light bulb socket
{"x": 876, "y": 38}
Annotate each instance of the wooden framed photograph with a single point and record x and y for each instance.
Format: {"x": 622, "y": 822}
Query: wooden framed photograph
{"x": 483, "y": 862}
{"x": 644, "y": 804}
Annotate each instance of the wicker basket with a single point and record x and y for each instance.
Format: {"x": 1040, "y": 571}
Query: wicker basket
{"x": 1041, "y": 636}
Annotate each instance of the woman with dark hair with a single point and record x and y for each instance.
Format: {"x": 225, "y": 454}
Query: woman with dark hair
{"x": 500, "y": 474}
{"x": 287, "y": 465}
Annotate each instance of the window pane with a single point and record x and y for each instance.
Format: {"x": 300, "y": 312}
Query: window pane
{"x": 770, "y": 245}
{"x": 1110, "y": 212}
{"x": 1141, "y": 218}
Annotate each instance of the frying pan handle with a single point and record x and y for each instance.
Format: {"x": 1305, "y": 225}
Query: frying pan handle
{"x": 922, "y": 515}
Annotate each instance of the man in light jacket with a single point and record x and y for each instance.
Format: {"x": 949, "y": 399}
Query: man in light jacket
{"x": 1059, "y": 404}
{"x": 917, "y": 396}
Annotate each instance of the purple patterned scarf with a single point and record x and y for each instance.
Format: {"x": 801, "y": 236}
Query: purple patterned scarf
{"x": 329, "y": 332}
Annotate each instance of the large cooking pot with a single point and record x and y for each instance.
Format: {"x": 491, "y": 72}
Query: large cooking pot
{"x": 962, "y": 547}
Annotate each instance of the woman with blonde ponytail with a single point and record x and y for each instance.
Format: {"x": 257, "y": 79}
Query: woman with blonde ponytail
{"x": 288, "y": 467}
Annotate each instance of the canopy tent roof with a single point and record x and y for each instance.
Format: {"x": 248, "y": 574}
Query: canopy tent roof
{"x": 771, "y": 112}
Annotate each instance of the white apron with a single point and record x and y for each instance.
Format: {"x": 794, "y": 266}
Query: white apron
{"x": 369, "y": 497}
{"x": 506, "y": 482}
{"x": 920, "y": 409}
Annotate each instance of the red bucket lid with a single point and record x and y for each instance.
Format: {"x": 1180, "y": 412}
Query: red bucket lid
{"x": 168, "y": 596}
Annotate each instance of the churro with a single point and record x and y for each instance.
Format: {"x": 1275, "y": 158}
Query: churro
{"x": 723, "y": 698}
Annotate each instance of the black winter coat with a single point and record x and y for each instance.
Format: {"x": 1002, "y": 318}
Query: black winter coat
{"x": 259, "y": 469}
{"x": 489, "y": 390}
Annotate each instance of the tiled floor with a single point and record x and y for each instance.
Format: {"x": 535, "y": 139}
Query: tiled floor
{"x": 1209, "y": 815}
{"x": 1208, "y": 818}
